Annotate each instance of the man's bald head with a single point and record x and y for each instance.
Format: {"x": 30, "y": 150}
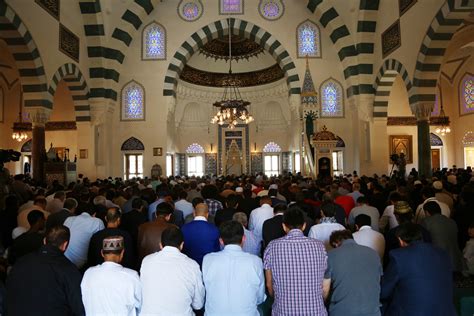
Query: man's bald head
{"x": 201, "y": 209}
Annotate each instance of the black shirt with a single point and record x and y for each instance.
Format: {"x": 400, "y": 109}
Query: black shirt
{"x": 130, "y": 222}
{"x": 57, "y": 218}
{"x": 44, "y": 283}
{"x": 224, "y": 215}
{"x": 24, "y": 244}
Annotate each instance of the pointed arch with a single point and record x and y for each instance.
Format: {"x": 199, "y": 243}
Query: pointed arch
{"x": 75, "y": 81}
{"x": 383, "y": 85}
{"x": 239, "y": 27}
{"x": 332, "y": 98}
{"x": 132, "y": 144}
{"x": 433, "y": 47}
{"x": 308, "y": 39}
{"x": 271, "y": 147}
{"x": 195, "y": 148}
{"x": 154, "y": 42}
{"x": 133, "y": 102}
{"x": 26, "y": 54}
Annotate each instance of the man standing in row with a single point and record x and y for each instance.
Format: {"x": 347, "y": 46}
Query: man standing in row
{"x": 294, "y": 269}
{"x": 109, "y": 288}
{"x": 46, "y": 280}
{"x": 171, "y": 282}
{"x": 233, "y": 279}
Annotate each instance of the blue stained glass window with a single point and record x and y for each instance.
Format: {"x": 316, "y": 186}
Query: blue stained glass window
{"x": 195, "y": 148}
{"x": 271, "y": 9}
{"x": 308, "y": 40}
{"x": 154, "y": 42}
{"x": 133, "y": 102}
{"x": 468, "y": 93}
{"x": 331, "y": 99}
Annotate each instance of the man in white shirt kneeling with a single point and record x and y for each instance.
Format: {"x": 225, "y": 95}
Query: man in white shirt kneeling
{"x": 109, "y": 288}
{"x": 171, "y": 282}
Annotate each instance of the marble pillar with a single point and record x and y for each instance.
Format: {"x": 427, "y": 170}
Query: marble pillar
{"x": 422, "y": 112}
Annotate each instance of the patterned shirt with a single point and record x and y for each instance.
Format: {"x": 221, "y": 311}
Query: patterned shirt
{"x": 298, "y": 264}
{"x": 213, "y": 206}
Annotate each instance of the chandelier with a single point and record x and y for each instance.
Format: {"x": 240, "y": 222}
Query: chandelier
{"x": 443, "y": 120}
{"x": 232, "y": 109}
{"x": 20, "y": 128}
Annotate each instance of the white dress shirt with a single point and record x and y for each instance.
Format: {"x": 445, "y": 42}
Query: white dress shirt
{"x": 366, "y": 236}
{"x": 82, "y": 228}
{"x": 323, "y": 231}
{"x": 184, "y": 206}
{"x": 234, "y": 282}
{"x": 388, "y": 218}
{"x": 171, "y": 284}
{"x": 258, "y": 217}
{"x": 110, "y": 289}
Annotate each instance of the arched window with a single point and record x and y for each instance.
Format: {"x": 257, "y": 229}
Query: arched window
{"x": 195, "y": 149}
{"x": 309, "y": 40}
{"x": 272, "y": 147}
{"x": 332, "y": 99}
{"x": 466, "y": 94}
{"x": 154, "y": 42}
{"x": 133, "y": 158}
{"x": 133, "y": 102}
{"x": 271, "y": 159}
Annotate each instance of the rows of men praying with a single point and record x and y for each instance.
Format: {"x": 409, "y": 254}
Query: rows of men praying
{"x": 238, "y": 246}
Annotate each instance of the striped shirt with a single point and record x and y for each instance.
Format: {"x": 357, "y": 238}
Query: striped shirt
{"x": 298, "y": 264}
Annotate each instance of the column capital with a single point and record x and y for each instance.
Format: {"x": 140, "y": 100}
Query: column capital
{"x": 422, "y": 110}
{"x": 101, "y": 110}
{"x": 39, "y": 116}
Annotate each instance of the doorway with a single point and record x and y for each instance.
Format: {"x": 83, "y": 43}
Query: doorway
{"x": 468, "y": 156}
{"x": 435, "y": 158}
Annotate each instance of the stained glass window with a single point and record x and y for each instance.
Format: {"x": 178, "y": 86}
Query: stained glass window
{"x": 271, "y": 9}
{"x": 272, "y": 147}
{"x": 332, "y": 103}
{"x": 231, "y": 7}
{"x": 309, "y": 41}
{"x": 154, "y": 42}
{"x": 195, "y": 148}
{"x": 133, "y": 102}
{"x": 190, "y": 10}
{"x": 467, "y": 94}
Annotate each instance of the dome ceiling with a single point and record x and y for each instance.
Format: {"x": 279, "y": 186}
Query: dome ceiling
{"x": 251, "y": 64}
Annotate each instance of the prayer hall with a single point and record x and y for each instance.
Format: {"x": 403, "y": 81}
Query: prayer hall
{"x": 229, "y": 156}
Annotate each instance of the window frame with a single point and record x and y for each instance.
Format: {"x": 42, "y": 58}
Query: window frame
{"x": 342, "y": 102}
{"x": 165, "y": 42}
{"x": 122, "y": 102}
{"x": 126, "y": 165}
{"x": 318, "y": 40}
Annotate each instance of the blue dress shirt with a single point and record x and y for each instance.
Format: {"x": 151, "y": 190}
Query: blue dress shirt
{"x": 234, "y": 282}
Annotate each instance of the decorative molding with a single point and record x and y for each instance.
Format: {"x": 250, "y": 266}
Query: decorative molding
{"x": 242, "y": 48}
{"x": 410, "y": 121}
{"x": 68, "y": 43}
{"x": 49, "y": 126}
{"x": 242, "y": 79}
{"x": 189, "y": 91}
{"x": 391, "y": 39}
{"x": 405, "y": 5}
{"x": 462, "y": 61}
{"x": 51, "y": 6}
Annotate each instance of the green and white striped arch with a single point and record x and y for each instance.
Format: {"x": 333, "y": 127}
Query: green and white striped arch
{"x": 77, "y": 85}
{"x": 27, "y": 57}
{"x": 430, "y": 56}
{"x": 238, "y": 27}
{"x": 384, "y": 82}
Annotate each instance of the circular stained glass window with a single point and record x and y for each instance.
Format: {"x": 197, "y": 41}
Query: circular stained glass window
{"x": 271, "y": 9}
{"x": 190, "y": 10}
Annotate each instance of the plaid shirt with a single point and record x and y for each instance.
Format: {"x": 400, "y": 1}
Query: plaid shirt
{"x": 298, "y": 264}
{"x": 213, "y": 206}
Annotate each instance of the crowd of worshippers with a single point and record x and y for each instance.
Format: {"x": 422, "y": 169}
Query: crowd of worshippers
{"x": 248, "y": 245}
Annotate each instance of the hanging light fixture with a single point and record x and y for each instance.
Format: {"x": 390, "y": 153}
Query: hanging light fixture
{"x": 443, "y": 121}
{"x": 232, "y": 109}
{"x": 19, "y": 127}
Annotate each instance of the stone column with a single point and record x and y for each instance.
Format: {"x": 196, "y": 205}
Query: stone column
{"x": 422, "y": 112}
{"x": 39, "y": 117}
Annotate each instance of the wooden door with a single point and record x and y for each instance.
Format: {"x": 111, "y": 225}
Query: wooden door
{"x": 435, "y": 158}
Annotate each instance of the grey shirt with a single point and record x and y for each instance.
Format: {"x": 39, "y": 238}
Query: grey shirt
{"x": 355, "y": 282}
